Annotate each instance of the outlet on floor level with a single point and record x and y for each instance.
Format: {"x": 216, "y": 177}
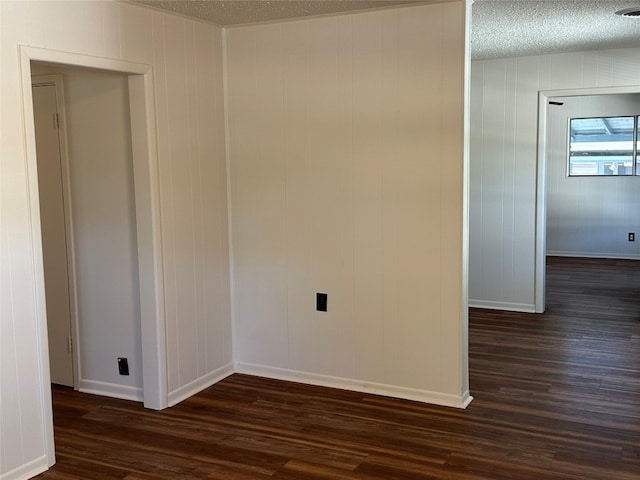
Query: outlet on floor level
{"x": 632, "y": 237}
{"x": 123, "y": 366}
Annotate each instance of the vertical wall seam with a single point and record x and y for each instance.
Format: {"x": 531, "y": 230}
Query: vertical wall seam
{"x": 515, "y": 173}
{"x": 353, "y": 183}
{"x": 190, "y": 163}
{"x": 216, "y": 32}
{"x": 169, "y": 156}
{"x": 380, "y": 120}
{"x": 441, "y": 268}
{"x": 286, "y": 200}
{"x": 200, "y": 291}
{"x": 227, "y": 153}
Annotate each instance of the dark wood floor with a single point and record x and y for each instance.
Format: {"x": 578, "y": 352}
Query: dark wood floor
{"x": 557, "y": 396}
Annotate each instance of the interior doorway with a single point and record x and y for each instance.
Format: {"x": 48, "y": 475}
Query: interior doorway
{"x": 88, "y": 225}
{"x": 546, "y": 101}
{"x": 147, "y": 213}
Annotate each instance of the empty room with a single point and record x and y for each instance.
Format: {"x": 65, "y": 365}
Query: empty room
{"x": 364, "y": 239}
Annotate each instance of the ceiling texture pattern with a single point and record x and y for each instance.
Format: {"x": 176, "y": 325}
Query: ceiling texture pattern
{"x": 500, "y": 28}
{"x": 239, "y": 12}
{"x": 507, "y": 28}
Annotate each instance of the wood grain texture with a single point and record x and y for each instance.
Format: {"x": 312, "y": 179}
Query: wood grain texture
{"x": 557, "y": 396}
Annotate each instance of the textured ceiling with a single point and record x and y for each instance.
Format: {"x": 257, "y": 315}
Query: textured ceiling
{"x": 508, "y": 28}
{"x": 500, "y": 28}
{"x": 237, "y": 12}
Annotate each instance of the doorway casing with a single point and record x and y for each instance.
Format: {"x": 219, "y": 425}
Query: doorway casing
{"x": 147, "y": 210}
{"x": 541, "y": 181}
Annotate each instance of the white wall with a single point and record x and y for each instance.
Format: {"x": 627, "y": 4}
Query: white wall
{"x": 346, "y": 153}
{"x": 193, "y": 181}
{"x": 504, "y": 106}
{"x": 589, "y": 216}
{"x": 187, "y": 63}
{"x": 104, "y": 229}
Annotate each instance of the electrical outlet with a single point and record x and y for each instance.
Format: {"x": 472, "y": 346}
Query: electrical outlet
{"x": 632, "y": 237}
{"x": 321, "y": 302}
{"x": 123, "y": 366}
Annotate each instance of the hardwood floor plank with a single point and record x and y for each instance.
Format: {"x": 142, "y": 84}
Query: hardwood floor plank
{"x": 314, "y": 471}
{"x": 557, "y": 397}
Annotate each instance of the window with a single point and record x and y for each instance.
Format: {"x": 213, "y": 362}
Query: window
{"x": 604, "y": 146}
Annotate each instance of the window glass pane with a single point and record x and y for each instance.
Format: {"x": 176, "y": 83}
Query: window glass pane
{"x": 601, "y": 146}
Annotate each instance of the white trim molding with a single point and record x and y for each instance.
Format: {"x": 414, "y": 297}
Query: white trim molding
{"x": 145, "y": 161}
{"x": 541, "y": 189}
{"x": 111, "y": 390}
{"x": 196, "y": 386}
{"x": 28, "y": 470}
{"x": 147, "y": 206}
{"x": 613, "y": 256}
{"x": 511, "y": 307}
{"x": 363, "y": 386}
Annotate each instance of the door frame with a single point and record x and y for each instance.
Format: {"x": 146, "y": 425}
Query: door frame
{"x": 57, "y": 81}
{"x": 147, "y": 199}
{"x": 544, "y": 97}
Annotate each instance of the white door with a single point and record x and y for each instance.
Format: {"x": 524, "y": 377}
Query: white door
{"x": 54, "y": 248}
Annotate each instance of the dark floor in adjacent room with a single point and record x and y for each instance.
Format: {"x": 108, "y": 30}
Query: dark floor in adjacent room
{"x": 557, "y": 396}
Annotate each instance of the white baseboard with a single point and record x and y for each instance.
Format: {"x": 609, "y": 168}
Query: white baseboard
{"x": 511, "y": 307}
{"x": 466, "y": 399}
{"x": 111, "y": 390}
{"x": 614, "y": 256}
{"x": 28, "y": 470}
{"x": 191, "y": 388}
{"x": 415, "y": 394}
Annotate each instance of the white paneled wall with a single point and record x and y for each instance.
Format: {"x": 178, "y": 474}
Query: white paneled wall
{"x": 193, "y": 185}
{"x": 504, "y": 106}
{"x": 589, "y": 216}
{"x": 346, "y": 151}
{"x": 187, "y": 65}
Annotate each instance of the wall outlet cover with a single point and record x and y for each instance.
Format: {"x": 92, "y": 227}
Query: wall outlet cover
{"x": 123, "y": 366}
{"x": 321, "y": 302}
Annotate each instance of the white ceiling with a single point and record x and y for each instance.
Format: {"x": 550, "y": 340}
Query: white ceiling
{"x": 508, "y": 28}
{"x": 238, "y": 12}
{"x": 500, "y": 28}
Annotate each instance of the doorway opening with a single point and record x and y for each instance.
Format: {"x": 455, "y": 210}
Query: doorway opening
{"x": 147, "y": 222}
{"x": 547, "y": 101}
{"x": 87, "y": 211}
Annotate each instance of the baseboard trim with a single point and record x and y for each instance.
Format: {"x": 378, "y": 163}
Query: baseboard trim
{"x": 613, "y": 256}
{"x": 28, "y": 470}
{"x": 191, "y": 388}
{"x": 424, "y": 396}
{"x": 111, "y": 390}
{"x": 511, "y": 307}
{"x": 466, "y": 399}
